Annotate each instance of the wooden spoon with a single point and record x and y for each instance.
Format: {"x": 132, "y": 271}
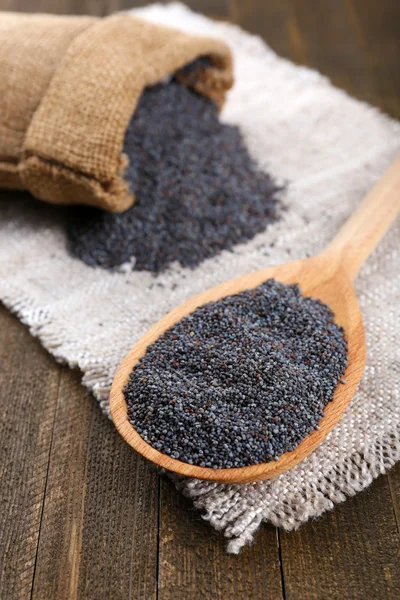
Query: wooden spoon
{"x": 327, "y": 276}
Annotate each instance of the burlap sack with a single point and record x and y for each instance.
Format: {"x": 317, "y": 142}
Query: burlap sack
{"x": 68, "y": 88}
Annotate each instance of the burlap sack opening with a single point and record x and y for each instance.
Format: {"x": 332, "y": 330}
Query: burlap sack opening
{"x": 69, "y": 88}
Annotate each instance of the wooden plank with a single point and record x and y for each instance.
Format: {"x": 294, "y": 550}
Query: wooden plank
{"x": 215, "y": 8}
{"x": 111, "y": 6}
{"x": 330, "y": 46}
{"x": 273, "y": 21}
{"x": 57, "y": 569}
{"x": 350, "y": 44}
{"x": 60, "y": 7}
{"x": 194, "y": 563}
{"x": 29, "y": 380}
{"x": 377, "y": 27}
{"x": 394, "y": 486}
{"x": 218, "y": 9}
{"x": 99, "y": 531}
{"x": 351, "y": 552}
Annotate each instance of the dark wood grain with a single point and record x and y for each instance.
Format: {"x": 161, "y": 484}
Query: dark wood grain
{"x": 194, "y": 564}
{"x": 99, "y": 529}
{"x": 120, "y": 534}
{"x": 57, "y": 571}
{"x": 329, "y": 44}
{"x": 394, "y": 487}
{"x": 59, "y": 7}
{"x": 272, "y": 20}
{"x": 356, "y": 43}
{"x": 214, "y": 8}
{"x": 352, "y": 552}
{"x": 81, "y": 516}
{"x": 29, "y": 380}
{"x": 377, "y": 27}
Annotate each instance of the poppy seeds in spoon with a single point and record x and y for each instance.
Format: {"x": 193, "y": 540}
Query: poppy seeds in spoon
{"x": 239, "y": 381}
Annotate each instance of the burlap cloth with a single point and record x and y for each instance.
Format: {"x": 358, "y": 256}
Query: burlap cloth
{"x": 330, "y": 149}
{"x": 69, "y": 86}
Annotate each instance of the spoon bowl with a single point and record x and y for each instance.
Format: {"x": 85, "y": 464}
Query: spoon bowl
{"x": 333, "y": 288}
{"x": 327, "y": 277}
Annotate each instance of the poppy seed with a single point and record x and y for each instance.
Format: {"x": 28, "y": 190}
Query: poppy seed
{"x": 250, "y": 385}
{"x": 197, "y": 190}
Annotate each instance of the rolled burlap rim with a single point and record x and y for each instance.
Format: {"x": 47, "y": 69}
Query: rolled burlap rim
{"x": 70, "y": 88}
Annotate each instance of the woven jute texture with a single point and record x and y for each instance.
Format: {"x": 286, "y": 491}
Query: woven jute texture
{"x": 68, "y": 90}
{"x": 330, "y": 149}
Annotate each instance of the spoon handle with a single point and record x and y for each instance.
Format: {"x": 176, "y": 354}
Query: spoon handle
{"x": 368, "y": 224}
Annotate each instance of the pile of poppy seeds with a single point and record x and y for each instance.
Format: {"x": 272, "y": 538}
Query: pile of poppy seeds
{"x": 239, "y": 381}
{"x": 198, "y": 191}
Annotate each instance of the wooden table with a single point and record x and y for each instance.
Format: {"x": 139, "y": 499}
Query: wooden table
{"x": 81, "y": 515}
